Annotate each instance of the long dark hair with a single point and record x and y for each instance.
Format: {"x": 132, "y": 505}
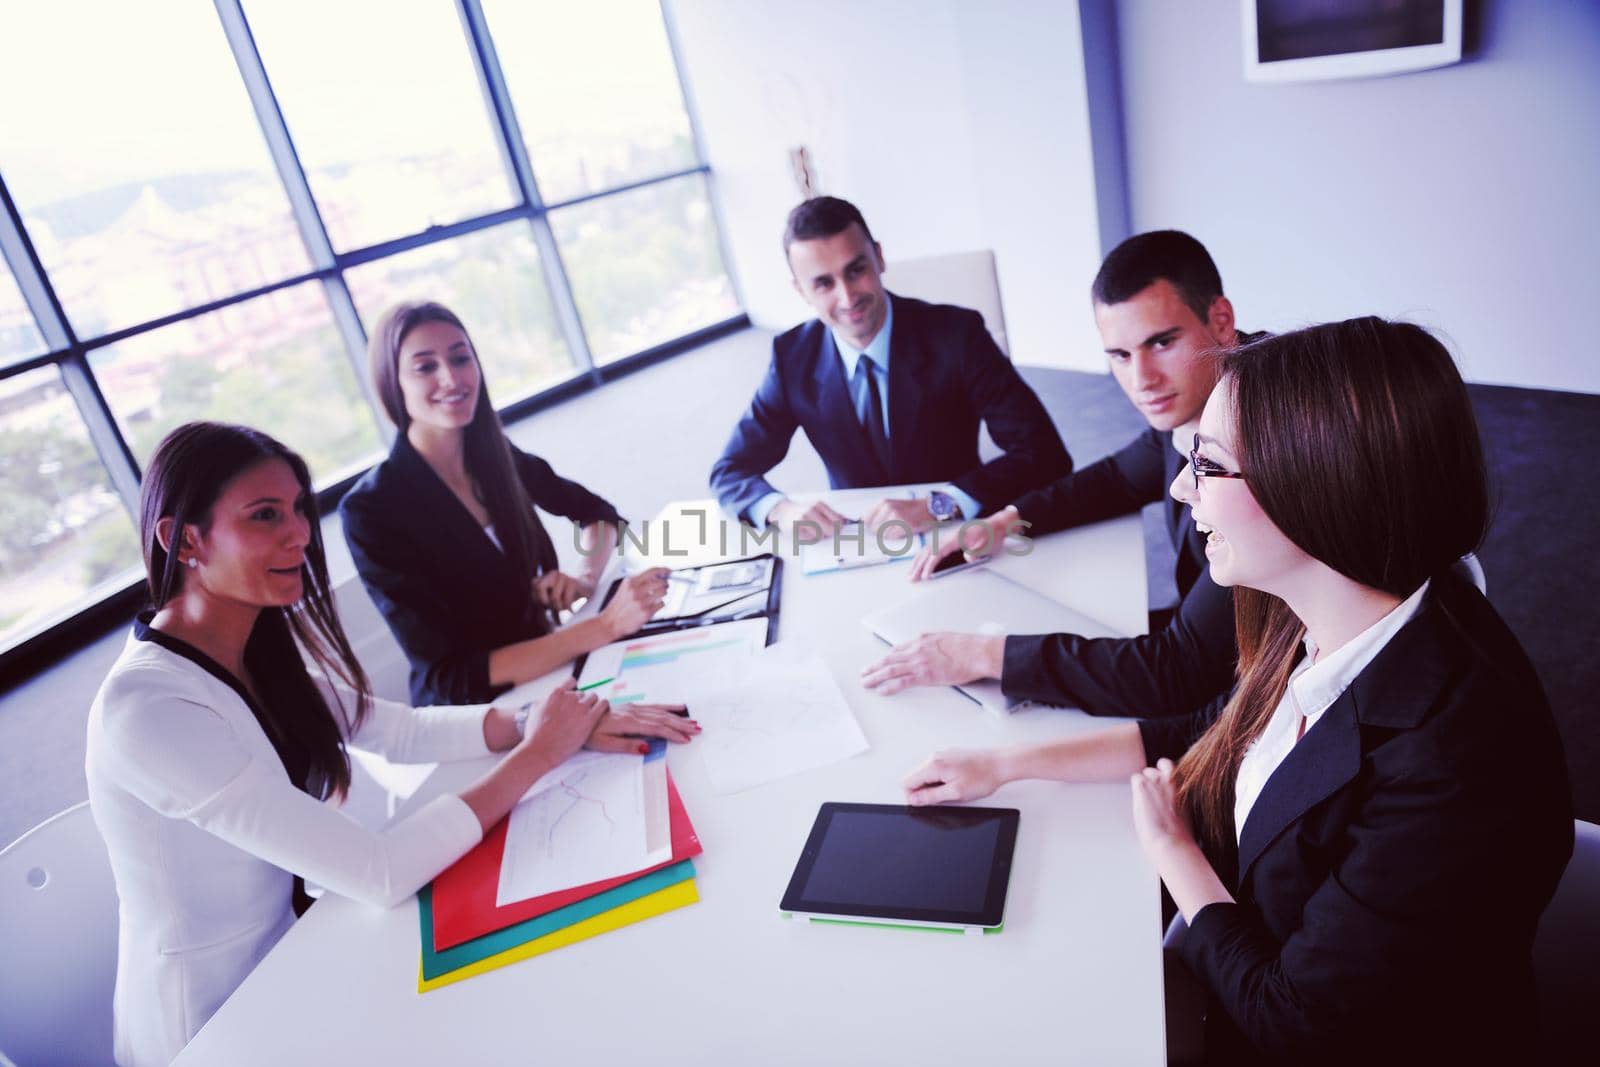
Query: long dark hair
{"x": 1359, "y": 442}
{"x": 489, "y": 459}
{"x": 190, "y": 469}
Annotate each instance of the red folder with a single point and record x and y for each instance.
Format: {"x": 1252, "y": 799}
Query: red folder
{"x": 464, "y": 894}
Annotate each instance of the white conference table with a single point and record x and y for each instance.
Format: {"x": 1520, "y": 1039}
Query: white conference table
{"x": 1074, "y": 978}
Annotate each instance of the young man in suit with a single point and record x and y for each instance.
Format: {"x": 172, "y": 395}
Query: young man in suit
{"x": 1160, "y": 310}
{"x": 890, "y": 391}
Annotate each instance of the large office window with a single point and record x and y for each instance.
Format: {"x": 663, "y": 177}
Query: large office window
{"x": 205, "y": 207}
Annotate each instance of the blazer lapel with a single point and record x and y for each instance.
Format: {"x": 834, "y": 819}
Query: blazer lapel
{"x": 1325, "y": 759}
{"x": 1393, "y": 692}
{"x": 837, "y": 408}
{"x": 905, "y": 396}
{"x": 452, "y": 528}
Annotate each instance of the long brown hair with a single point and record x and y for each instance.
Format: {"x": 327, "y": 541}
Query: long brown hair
{"x": 1358, "y": 441}
{"x": 190, "y": 469}
{"x": 489, "y": 459}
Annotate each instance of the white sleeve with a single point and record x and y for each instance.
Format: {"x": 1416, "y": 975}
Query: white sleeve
{"x": 183, "y": 759}
{"x": 403, "y": 734}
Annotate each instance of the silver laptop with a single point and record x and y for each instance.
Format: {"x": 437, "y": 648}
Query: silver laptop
{"x": 979, "y": 601}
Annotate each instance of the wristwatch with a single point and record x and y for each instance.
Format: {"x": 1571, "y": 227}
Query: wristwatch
{"x": 943, "y": 506}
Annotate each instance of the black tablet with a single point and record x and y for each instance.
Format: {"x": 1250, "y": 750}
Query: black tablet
{"x": 943, "y": 867}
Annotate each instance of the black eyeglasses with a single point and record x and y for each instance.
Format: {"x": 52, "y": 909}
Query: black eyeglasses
{"x": 1204, "y": 468}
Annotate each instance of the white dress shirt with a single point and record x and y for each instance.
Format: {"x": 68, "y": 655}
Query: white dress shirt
{"x": 1313, "y": 687}
{"x": 205, "y": 833}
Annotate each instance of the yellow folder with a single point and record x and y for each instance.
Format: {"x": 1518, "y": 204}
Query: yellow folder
{"x": 657, "y": 903}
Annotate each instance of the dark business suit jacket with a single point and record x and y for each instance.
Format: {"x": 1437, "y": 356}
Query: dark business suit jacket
{"x": 448, "y": 594}
{"x": 1391, "y": 874}
{"x": 945, "y": 377}
{"x": 1169, "y": 672}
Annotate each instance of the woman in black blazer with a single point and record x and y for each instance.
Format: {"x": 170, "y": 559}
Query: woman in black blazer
{"x": 1362, "y": 836}
{"x": 446, "y": 540}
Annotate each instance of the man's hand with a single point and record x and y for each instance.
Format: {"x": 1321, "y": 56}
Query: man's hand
{"x": 822, "y": 521}
{"x": 975, "y": 539}
{"x": 559, "y": 592}
{"x": 937, "y": 659}
{"x": 914, "y": 513}
{"x": 950, "y": 777}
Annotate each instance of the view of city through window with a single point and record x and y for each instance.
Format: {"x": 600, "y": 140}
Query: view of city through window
{"x": 168, "y": 247}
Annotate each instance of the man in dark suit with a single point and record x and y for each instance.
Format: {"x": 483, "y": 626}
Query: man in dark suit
{"x": 889, "y": 390}
{"x": 1160, "y": 310}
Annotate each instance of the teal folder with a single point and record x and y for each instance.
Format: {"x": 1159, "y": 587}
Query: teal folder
{"x": 436, "y": 963}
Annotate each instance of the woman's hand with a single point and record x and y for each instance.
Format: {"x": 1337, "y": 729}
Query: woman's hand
{"x": 630, "y": 727}
{"x": 637, "y": 599}
{"x": 558, "y": 591}
{"x": 960, "y": 774}
{"x": 1156, "y": 819}
{"x": 1167, "y": 840}
{"x": 937, "y": 659}
{"x": 563, "y": 722}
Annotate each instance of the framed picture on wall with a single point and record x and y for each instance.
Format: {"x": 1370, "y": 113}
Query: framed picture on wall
{"x": 1316, "y": 40}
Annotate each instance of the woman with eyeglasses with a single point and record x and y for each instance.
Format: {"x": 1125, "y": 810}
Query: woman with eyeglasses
{"x": 1362, "y": 835}
{"x": 446, "y": 540}
{"x": 219, "y": 737}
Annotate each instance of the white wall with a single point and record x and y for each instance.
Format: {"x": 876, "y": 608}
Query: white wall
{"x": 1465, "y": 197}
{"x": 953, "y": 126}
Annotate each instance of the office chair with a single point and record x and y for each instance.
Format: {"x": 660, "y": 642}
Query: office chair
{"x": 1566, "y": 954}
{"x": 58, "y": 922}
{"x": 967, "y": 279}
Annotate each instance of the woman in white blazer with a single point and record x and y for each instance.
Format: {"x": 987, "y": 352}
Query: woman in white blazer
{"x": 214, "y": 750}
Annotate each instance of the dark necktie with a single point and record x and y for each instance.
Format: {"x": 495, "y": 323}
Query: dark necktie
{"x": 869, "y": 408}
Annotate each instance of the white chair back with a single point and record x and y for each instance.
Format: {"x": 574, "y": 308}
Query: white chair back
{"x": 380, "y": 654}
{"x": 967, "y": 279}
{"x": 1566, "y": 953}
{"x": 377, "y": 787}
{"x": 58, "y": 923}
{"x": 1470, "y": 568}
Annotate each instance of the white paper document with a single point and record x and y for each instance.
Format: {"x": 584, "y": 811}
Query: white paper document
{"x": 773, "y": 717}
{"x": 672, "y": 668}
{"x": 596, "y": 816}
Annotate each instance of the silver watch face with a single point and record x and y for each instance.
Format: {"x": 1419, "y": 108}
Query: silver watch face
{"x": 942, "y": 505}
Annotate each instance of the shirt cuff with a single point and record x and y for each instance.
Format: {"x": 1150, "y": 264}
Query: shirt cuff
{"x": 970, "y": 508}
{"x": 759, "y": 511}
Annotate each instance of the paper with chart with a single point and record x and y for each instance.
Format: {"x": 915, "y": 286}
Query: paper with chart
{"x": 596, "y": 816}
{"x": 775, "y": 717}
{"x": 673, "y": 668}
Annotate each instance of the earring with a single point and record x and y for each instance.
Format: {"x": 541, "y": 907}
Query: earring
{"x": 192, "y": 562}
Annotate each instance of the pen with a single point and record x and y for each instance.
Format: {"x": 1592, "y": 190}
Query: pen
{"x": 595, "y": 685}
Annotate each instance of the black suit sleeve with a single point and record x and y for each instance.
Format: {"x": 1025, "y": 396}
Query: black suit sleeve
{"x": 1017, "y": 421}
{"x": 1153, "y": 676}
{"x": 1171, "y": 737}
{"x": 1122, "y": 482}
{"x": 561, "y": 496}
{"x": 758, "y": 443}
{"x": 424, "y": 623}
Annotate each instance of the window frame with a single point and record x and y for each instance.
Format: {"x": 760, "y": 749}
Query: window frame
{"x": 70, "y": 352}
